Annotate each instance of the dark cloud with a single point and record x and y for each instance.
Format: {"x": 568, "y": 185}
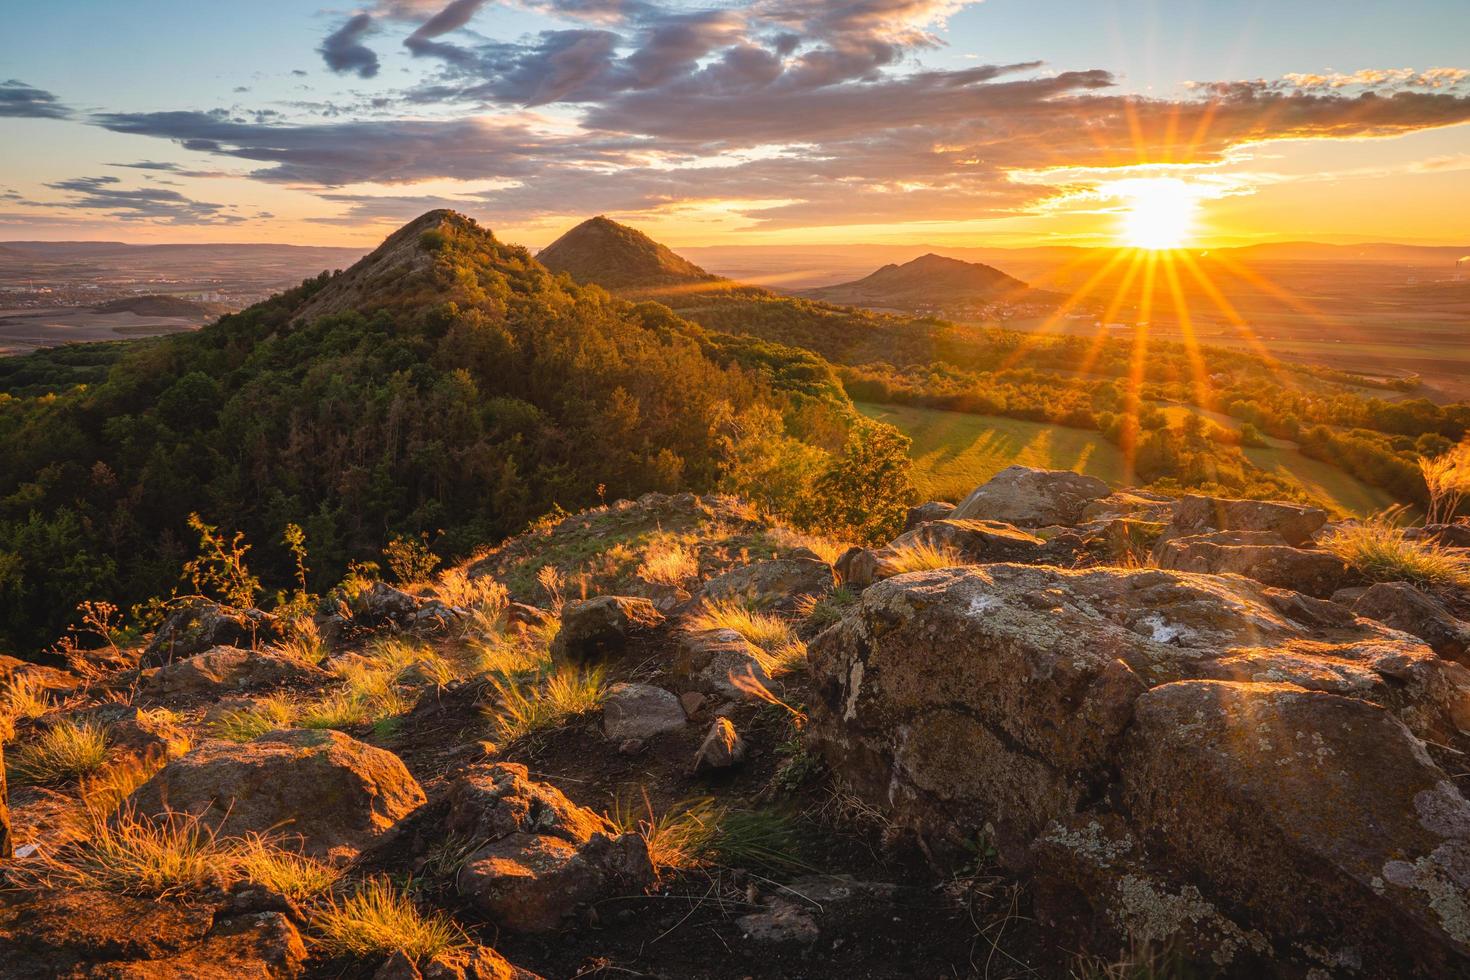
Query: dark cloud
{"x": 451, "y": 18}
{"x": 138, "y": 204}
{"x": 343, "y": 50}
{"x": 17, "y": 99}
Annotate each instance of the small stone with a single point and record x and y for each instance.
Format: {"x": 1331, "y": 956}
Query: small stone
{"x": 632, "y": 746}
{"x": 722, "y": 747}
{"x": 640, "y": 711}
{"x": 692, "y": 701}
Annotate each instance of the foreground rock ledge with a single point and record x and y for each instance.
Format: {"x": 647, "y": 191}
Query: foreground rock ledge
{"x": 1197, "y": 759}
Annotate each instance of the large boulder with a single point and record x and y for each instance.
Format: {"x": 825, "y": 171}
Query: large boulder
{"x": 1404, "y": 607}
{"x": 1030, "y": 497}
{"x": 934, "y": 510}
{"x": 229, "y": 670}
{"x": 261, "y": 946}
{"x": 202, "y": 625}
{"x": 602, "y": 628}
{"x": 777, "y": 584}
{"x": 338, "y": 794}
{"x": 1207, "y": 723}
{"x": 1295, "y": 523}
{"x": 1141, "y": 505}
{"x": 1254, "y": 555}
{"x": 542, "y": 857}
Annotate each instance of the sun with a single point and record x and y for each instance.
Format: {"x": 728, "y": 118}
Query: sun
{"x": 1160, "y": 212}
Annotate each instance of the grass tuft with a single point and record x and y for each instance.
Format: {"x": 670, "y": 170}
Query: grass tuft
{"x": 23, "y": 699}
{"x": 823, "y": 612}
{"x": 172, "y": 854}
{"x": 920, "y": 556}
{"x": 287, "y": 873}
{"x": 1378, "y": 550}
{"x": 532, "y": 705}
{"x": 780, "y": 650}
{"x": 104, "y": 791}
{"x": 269, "y": 714}
{"x": 699, "y": 832}
{"x": 379, "y": 920}
{"x": 66, "y": 750}
{"x": 668, "y": 562}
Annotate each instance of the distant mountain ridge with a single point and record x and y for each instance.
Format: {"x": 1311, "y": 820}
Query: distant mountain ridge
{"x": 615, "y": 256}
{"x": 928, "y": 279}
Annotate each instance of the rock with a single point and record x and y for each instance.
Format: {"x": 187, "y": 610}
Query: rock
{"x": 476, "y": 963}
{"x": 779, "y": 583}
{"x": 1295, "y": 523}
{"x": 264, "y": 946}
{"x": 1028, "y": 497}
{"x": 782, "y": 922}
{"x": 1125, "y": 540}
{"x": 57, "y": 930}
{"x": 1140, "y": 505}
{"x": 974, "y": 542}
{"x": 1316, "y": 573}
{"x": 640, "y": 711}
{"x": 381, "y": 606}
{"x": 1403, "y": 607}
{"x": 527, "y": 616}
{"x": 1449, "y": 535}
{"x": 202, "y": 625}
{"x": 337, "y": 793}
{"x": 132, "y": 731}
{"x": 602, "y": 628}
{"x": 691, "y": 702}
{"x": 44, "y": 677}
{"x": 223, "y": 670}
{"x": 722, "y": 748}
{"x": 544, "y": 857}
{"x": 843, "y": 565}
{"x": 1253, "y": 763}
{"x": 713, "y": 661}
{"x": 934, "y": 510}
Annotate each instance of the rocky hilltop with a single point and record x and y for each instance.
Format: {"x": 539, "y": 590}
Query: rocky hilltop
{"x": 1054, "y": 730}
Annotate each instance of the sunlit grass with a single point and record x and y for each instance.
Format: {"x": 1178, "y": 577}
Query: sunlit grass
{"x": 167, "y": 855}
{"x": 104, "y": 790}
{"x": 825, "y": 548}
{"x": 23, "y": 699}
{"x": 920, "y": 556}
{"x": 269, "y": 714}
{"x": 699, "y": 832}
{"x": 457, "y": 588}
{"x": 1380, "y": 552}
{"x": 823, "y": 612}
{"x": 668, "y": 562}
{"x": 304, "y": 642}
{"x": 66, "y": 750}
{"x": 284, "y": 872}
{"x": 533, "y": 705}
{"x": 779, "y": 649}
{"x": 378, "y": 920}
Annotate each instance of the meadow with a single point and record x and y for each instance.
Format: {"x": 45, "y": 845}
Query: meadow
{"x": 954, "y": 452}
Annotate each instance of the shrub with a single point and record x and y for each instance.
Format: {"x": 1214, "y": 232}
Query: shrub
{"x": 409, "y": 559}
{"x": 1379, "y": 551}
{"x": 479, "y": 593}
{"x": 378, "y": 920}
{"x": 66, "y": 750}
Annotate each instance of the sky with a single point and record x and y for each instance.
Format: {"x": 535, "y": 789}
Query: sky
{"x": 1002, "y": 122}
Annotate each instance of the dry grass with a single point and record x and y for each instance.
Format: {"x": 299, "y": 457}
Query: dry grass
{"x": 828, "y": 549}
{"x": 920, "y": 556}
{"x": 780, "y": 650}
{"x": 481, "y": 593}
{"x": 284, "y": 872}
{"x": 1447, "y": 478}
{"x": 168, "y": 855}
{"x": 378, "y": 920}
{"x": 103, "y": 791}
{"x": 668, "y": 562}
{"x": 304, "y": 643}
{"x": 269, "y": 714}
{"x": 369, "y": 694}
{"x": 683, "y": 838}
{"x": 823, "y": 612}
{"x": 1378, "y": 550}
{"x": 23, "y": 699}
{"x": 531, "y": 706}
{"x": 66, "y": 750}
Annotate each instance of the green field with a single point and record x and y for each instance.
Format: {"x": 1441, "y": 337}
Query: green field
{"x": 955, "y": 452}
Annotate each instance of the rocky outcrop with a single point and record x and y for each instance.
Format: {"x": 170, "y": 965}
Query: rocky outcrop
{"x": 264, "y": 946}
{"x": 336, "y": 793}
{"x": 1028, "y": 497}
{"x": 1293, "y": 523}
{"x": 1403, "y": 607}
{"x": 7, "y": 838}
{"x": 934, "y": 510}
{"x": 475, "y": 963}
{"x": 544, "y": 857}
{"x": 776, "y": 584}
{"x": 1208, "y": 726}
{"x": 600, "y": 629}
{"x": 201, "y": 625}
{"x": 1261, "y": 555}
{"x": 229, "y": 670}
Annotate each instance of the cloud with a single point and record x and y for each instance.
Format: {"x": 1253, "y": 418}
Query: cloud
{"x": 19, "y": 100}
{"x": 343, "y": 50}
{"x": 451, "y": 18}
{"x": 140, "y": 204}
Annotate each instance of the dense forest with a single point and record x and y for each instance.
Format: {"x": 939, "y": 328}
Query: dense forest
{"x": 446, "y": 388}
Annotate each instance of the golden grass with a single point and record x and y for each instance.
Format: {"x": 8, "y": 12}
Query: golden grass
{"x": 168, "y": 855}
{"x": 682, "y": 838}
{"x": 481, "y": 593}
{"x": 103, "y": 791}
{"x": 379, "y": 920}
{"x": 66, "y": 750}
{"x": 531, "y": 706}
{"x": 827, "y": 549}
{"x": 304, "y": 642}
{"x": 269, "y": 714}
{"x": 920, "y": 556}
{"x": 23, "y": 699}
{"x": 1447, "y": 478}
{"x": 284, "y": 872}
{"x": 823, "y": 612}
{"x": 1379, "y": 551}
{"x": 779, "y": 649}
{"x": 668, "y": 562}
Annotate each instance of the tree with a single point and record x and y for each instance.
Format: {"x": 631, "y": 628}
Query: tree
{"x": 867, "y": 488}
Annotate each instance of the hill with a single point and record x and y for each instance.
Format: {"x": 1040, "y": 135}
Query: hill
{"x": 159, "y": 305}
{"x": 617, "y": 257}
{"x": 930, "y": 279}
{"x": 447, "y": 384}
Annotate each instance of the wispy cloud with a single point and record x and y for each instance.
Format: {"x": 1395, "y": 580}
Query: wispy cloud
{"x": 19, "y": 100}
